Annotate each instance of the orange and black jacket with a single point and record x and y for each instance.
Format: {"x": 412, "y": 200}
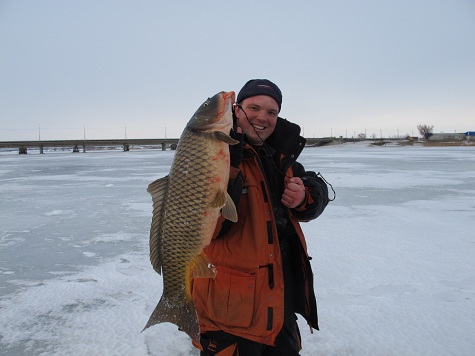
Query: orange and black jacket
{"x": 247, "y": 296}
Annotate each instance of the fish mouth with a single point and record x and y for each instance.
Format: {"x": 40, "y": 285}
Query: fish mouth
{"x": 230, "y": 98}
{"x": 215, "y": 113}
{"x": 229, "y": 95}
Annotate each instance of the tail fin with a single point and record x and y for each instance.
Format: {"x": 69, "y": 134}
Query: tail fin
{"x": 181, "y": 313}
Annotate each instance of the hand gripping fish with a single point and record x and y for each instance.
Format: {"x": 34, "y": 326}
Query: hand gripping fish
{"x": 186, "y": 206}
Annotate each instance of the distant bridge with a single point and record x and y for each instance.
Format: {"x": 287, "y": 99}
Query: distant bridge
{"x": 82, "y": 145}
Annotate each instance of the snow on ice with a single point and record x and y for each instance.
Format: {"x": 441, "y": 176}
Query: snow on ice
{"x": 393, "y": 255}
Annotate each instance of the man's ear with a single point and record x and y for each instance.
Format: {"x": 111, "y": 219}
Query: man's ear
{"x": 235, "y": 119}
{"x": 237, "y": 110}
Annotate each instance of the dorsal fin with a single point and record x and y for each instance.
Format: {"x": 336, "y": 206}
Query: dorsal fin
{"x": 158, "y": 190}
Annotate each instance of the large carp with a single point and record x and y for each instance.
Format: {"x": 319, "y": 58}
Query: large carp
{"x": 186, "y": 206}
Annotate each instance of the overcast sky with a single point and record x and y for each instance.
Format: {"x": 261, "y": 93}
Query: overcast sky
{"x": 112, "y": 68}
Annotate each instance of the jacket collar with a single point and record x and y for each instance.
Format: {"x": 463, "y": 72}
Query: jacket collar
{"x": 286, "y": 138}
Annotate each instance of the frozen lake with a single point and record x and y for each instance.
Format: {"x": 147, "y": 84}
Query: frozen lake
{"x": 393, "y": 255}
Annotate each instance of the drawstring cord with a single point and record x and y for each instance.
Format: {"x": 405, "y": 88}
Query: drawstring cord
{"x": 331, "y": 186}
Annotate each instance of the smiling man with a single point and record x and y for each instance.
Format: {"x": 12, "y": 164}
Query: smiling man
{"x": 258, "y": 108}
{"x": 263, "y": 275}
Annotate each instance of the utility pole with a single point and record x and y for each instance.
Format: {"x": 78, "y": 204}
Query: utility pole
{"x": 39, "y": 138}
{"x": 84, "y": 143}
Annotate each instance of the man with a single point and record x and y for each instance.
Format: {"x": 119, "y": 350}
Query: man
{"x": 264, "y": 275}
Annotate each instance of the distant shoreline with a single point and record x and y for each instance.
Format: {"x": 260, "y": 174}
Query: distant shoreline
{"x": 397, "y": 143}
{"x": 311, "y": 143}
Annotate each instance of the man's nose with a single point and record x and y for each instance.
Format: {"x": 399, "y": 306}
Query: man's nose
{"x": 261, "y": 115}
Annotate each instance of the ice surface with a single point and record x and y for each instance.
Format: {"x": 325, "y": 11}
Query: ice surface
{"x": 393, "y": 255}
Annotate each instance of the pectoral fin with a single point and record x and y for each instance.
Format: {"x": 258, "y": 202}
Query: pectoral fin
{"x": 221, "y": 136}
{"x": 229, "y": 210}
{"x": 219, "y": 200}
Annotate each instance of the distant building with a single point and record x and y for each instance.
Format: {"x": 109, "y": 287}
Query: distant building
{"x": 470, "y": 135}
{"x": 447, "y": 137}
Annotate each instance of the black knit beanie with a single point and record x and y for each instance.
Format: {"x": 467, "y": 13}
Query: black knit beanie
{"x": 260, "y": 87}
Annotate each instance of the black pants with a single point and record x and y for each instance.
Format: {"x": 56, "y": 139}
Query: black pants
{"x": 222, "y": 343}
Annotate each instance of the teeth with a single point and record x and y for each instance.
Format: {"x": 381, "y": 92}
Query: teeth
{"x": 259, "y": 127}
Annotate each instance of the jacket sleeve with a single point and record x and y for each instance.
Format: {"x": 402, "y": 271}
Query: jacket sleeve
{"x": 317, "y": 194}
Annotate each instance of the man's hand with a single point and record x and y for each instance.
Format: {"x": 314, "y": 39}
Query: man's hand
{"x": 294, "y": 193}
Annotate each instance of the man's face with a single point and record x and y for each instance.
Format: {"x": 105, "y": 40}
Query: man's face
{"x": 262, "y": 112}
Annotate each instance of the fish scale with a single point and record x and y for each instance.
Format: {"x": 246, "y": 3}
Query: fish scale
{"x": 186, "y": 207}
{"x": 187, "y": 224}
